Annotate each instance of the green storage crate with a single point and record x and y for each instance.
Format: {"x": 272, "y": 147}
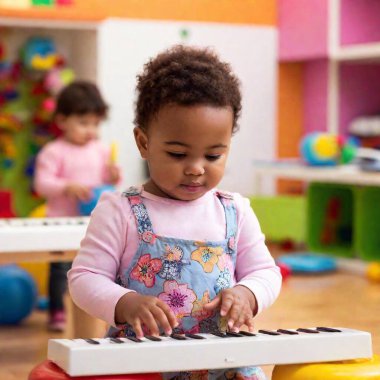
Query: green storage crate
{"x": 330, "y": 210}
{"x": 281, "y": 217}
{"x": 367, "y": 223}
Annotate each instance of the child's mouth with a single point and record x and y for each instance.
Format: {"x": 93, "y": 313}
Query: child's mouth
{"x": 192, "y": 188}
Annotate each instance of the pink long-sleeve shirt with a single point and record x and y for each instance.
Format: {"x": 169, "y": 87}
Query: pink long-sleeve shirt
{"x": 112, "y": 240}
{"x": 60, "y": 163}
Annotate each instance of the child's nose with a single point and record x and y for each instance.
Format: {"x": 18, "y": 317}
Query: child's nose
{"x": 195, "y": 168}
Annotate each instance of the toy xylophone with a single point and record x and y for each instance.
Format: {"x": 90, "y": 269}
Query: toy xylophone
{"x": 42, "y": 234}
{"x": 84, "y": 357}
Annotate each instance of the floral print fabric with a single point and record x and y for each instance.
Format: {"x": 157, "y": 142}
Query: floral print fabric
{"x": 185, "y": 275}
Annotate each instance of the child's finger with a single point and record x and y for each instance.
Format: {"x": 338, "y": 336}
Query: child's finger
{"x": 249, "y": 324}
{"x": 162, "y": 319}
{"x": 233, "y": 314}
{"x": 169, "y": 314}
{"x": 240, "y": 321}
{"x": 136, "y": 326}
{"x": 227, "y": 304}
{"x": 150, "y": 323}
{"x": 214, "y": 303}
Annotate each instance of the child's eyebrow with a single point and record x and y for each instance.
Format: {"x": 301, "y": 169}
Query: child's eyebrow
{"x": 188, "y": 146}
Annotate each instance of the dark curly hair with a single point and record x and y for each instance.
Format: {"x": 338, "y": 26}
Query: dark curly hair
{"x": 81, "y": 97}
{"x": 186, "y": 76}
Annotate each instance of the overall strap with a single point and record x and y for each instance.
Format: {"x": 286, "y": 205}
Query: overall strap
{"x": 144, "y": 225}
{"x": 228, "y": 203}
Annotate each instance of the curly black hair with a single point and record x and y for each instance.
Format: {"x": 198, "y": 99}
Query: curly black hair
{"x": 81, "y": 97}
{"x": 186, "y": 76}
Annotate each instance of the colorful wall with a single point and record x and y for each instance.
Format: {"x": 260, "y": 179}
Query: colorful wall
{"x": 260, "y": 12}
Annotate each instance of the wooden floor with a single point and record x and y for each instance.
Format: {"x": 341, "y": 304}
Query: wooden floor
{"x": 329, "y": 300}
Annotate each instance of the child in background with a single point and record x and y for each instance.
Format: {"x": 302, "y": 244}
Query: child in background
{"x": 176, "y": 254}
{"x": 68, "y": 168}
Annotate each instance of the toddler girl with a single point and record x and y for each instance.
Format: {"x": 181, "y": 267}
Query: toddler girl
{"x": 176, "y": 254}
{"x": 68, "y": 168}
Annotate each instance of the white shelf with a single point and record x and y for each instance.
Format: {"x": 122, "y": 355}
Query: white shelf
{"x": 48, "y": 24}
{"x": 361, "y": 52}
{"x": 345, "y": 174}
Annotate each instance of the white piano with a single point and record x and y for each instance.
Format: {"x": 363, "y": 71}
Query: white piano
{"x": 87, "y": 357}
{"x": 41, "y": 239}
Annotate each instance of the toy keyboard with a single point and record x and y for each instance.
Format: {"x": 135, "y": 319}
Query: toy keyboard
{"x": 42, "y": 234}
{"x": 84, "y": 357}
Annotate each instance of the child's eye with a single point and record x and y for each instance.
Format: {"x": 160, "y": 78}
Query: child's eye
{"x": 176, "y": 155}
{"x": 213, "y": 157}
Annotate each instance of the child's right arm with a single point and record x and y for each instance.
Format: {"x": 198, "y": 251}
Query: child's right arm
{"x": 92, "y": 279}
{"x": 47, "y": 180}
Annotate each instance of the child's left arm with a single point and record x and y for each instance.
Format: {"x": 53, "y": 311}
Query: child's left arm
{"x": 258, "y": 278}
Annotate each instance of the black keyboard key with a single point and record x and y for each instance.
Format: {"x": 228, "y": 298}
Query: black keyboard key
{"x": 116, "y": 340}
{"x": 92, "y": 341}
{"x": 178, "y": 336}
{"x": 195, "y": 336}
{"x": 287, "y": 332}
{"x": 246, "y": 333}
{"x": 219, "y": 334}
{"x": 308, "y": 331}
{"x": 153, "y": 338}
{"x": 134, "y": 339}
{"x": 269, "y": 332}
{"x": 234, "y": 334}
{"x": 328, "y": 329}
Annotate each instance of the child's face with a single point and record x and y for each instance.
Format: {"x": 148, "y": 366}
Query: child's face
{"x": 186, "y": 149}
{"x": 79, "y": 129}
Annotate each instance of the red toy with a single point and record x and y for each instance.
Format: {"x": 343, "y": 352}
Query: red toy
{"x": 6, "y": 204}
{"x": 47, "y": 370}
{"x": 285, "y": 270}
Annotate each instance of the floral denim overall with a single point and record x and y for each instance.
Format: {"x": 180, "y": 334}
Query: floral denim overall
{"x": 186, "y": 275}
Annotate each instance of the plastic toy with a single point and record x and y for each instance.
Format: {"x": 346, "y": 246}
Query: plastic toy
{"x": 373, "y": 272}
{"x": 323, "y": 149}
{"x": 58, "y": 78}
{"x": 285, "y": 270}
{"x": 18, "y": 294}
{"x": 85, "y": 208}
{"x": 360, "y": 369}
{"x": 308, "y": 263}
{"x": 39, "y": 53}
{"x": 6, "y": 204}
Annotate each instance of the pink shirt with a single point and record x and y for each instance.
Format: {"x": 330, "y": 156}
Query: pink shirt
{"x": 112, "y": 240}
{"x": 60, "y": 163}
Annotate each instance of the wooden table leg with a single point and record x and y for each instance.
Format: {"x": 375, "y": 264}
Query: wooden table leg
{"x": 82, "y": 324}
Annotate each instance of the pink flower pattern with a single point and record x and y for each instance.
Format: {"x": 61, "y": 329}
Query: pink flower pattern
{"x": 179, "y": 298}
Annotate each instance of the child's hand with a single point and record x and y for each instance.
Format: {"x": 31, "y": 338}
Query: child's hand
{"x": 113, "y": 174}
{"x": 83, "y": 193}
{"x": 238, "y": 304}
{"x": 137, "y": 309}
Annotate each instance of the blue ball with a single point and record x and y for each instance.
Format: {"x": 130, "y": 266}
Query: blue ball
{"x": 18, "y": 294}
{"x": 85, "y": 208}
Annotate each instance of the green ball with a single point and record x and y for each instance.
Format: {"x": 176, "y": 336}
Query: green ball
{"x": 348, "y": 154}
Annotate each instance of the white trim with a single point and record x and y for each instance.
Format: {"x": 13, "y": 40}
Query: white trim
{"x": 333, "y": 27}
{"x": 48, "y": 24}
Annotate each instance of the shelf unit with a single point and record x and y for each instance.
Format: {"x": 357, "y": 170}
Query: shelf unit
{"x": 338, "y": 43}
{"x": 339, "y": 214}
{"x": 112, "y": 52}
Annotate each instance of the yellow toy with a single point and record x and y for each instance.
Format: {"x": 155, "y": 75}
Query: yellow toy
{"x": 373, "y": 272}
{"x": 368, "y": 369}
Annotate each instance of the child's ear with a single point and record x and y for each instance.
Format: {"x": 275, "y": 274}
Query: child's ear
{"x": 141, "y": 141}
{"x": 59, "y": 119}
